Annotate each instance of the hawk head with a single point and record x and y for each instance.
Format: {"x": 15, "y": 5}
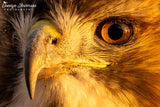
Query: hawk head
{"x": 84, "y": 53}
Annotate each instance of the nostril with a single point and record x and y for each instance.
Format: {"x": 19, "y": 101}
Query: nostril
{"x": 54, "y": 41}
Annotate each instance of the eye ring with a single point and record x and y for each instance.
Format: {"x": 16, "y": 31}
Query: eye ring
{"x": 115, "y": 31}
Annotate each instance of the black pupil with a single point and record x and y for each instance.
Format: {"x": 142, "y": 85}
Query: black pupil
{"x": 115, "y": 32}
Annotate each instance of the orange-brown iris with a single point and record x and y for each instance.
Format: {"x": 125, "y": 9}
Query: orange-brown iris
{"x": 116, "y": 32}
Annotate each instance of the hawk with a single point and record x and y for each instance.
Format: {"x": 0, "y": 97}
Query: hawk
{"x": 80, "y": 53}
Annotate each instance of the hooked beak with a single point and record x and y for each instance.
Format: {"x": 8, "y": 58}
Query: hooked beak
{"x": 35, "y": 55}
{"x": 33, "y": 61}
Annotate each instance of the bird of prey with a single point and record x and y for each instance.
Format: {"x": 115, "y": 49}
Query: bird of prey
{"x": 80, "y": 53}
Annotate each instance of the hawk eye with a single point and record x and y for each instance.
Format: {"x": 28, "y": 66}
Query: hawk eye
{"x": 115, "y": 31}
